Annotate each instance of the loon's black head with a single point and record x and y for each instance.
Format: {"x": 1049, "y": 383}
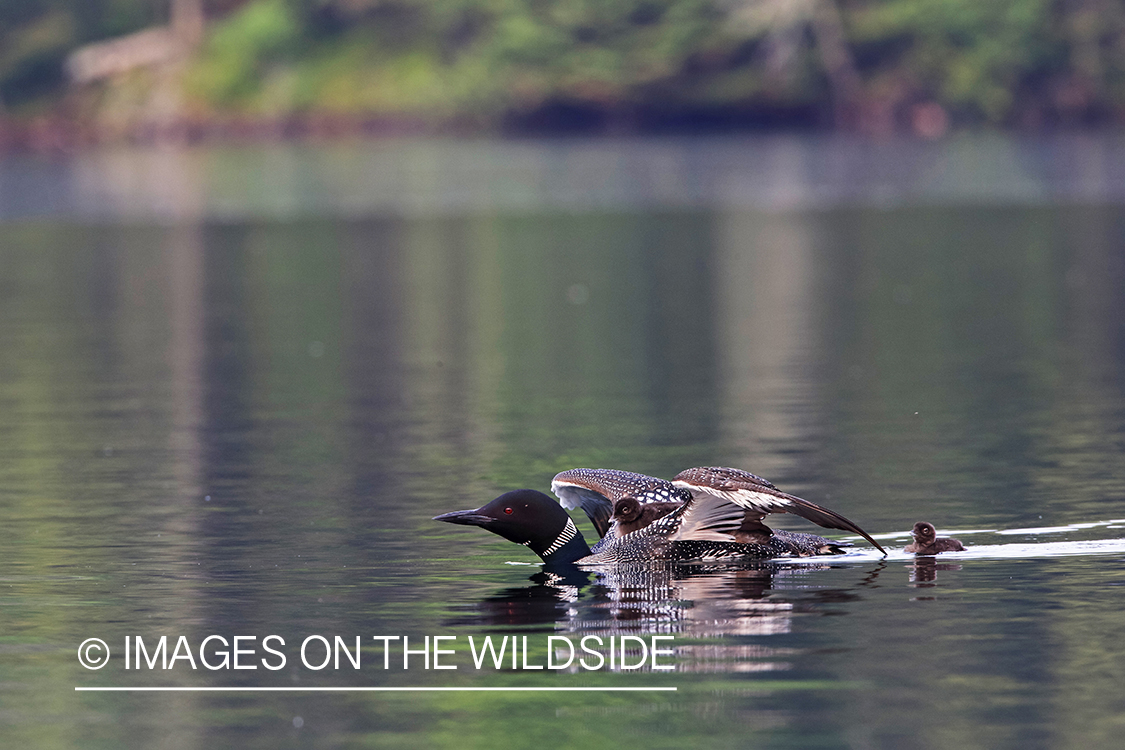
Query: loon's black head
{"x": 530, "y": 518}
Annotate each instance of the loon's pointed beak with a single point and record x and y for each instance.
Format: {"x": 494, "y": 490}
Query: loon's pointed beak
{"x": 466, "y": 518}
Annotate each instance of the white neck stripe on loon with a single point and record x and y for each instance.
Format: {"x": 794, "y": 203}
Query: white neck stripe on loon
{"x": 569, "y": 532}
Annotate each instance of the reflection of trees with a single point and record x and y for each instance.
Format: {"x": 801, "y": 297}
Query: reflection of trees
{"x": 765, "y": 284}
{"x": 619, "y": 376}
{"x": 958, "y": 337}
{"x": 332, "y": 385}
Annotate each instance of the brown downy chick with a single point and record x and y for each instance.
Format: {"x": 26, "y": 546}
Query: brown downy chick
{"x": 927, "y": 542}
{"x": 632, "y": 515}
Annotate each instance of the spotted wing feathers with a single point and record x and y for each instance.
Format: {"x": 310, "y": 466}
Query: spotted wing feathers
{"x": 704, "y": 519}
{"x": 756, "y": 494}
{"x": 597, "y": 490}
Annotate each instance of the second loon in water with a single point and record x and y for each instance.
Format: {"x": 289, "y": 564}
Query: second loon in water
{"x": 651, "y": 521}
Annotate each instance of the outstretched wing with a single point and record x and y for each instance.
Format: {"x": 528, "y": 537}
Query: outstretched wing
{"x": 596, "y": 491}
{"x": 596, "y": 505}
{"x": 756, "y": 494}
{"x": 704, "y": 518}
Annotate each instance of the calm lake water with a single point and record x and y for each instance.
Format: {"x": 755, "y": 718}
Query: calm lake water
{"x": 236, "y": 384}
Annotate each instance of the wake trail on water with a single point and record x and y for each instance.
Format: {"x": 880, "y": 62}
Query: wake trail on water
{"x": 1024, "y": 549}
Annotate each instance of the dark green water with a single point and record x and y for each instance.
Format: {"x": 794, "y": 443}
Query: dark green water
{"x": 232, "y": 408}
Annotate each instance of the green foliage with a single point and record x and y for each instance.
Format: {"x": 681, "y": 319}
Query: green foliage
{"x": 242, "y": 55}
{"x": 996, "y": 62}
{"x": 446, "y": 57}
{"x": 974, "y": 56}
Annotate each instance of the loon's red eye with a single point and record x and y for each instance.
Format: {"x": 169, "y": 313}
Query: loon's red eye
{"x": 507, "y": 511}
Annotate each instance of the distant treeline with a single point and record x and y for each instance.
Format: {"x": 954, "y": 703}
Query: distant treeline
{"x": 603, "y": 65}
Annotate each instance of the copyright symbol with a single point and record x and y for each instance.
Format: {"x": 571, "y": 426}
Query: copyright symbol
{"x": 93, "y": 653}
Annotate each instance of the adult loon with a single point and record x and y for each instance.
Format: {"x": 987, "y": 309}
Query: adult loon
{"x": 927, "y": 542}
{"x": 688, "y": 526}
{"x": 530, "y": 518}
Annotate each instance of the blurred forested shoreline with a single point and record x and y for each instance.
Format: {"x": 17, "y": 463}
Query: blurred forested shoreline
{"x": 77, "y": 72}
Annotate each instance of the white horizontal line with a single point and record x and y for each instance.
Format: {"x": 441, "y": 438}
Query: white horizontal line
{"x": 365, "y": 689}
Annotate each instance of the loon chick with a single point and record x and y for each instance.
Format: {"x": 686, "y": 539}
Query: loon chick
{"x": 598, "y": 491}
{"x": 927, "y": 542}
{"x": 759, "y": 497}
{"x": 689, "y": 532}
{"x": 630, "y": 514}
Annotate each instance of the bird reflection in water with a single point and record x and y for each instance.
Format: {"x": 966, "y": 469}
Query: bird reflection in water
{"x": 706, "y": 607}
{"x": 923, "y": 573}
